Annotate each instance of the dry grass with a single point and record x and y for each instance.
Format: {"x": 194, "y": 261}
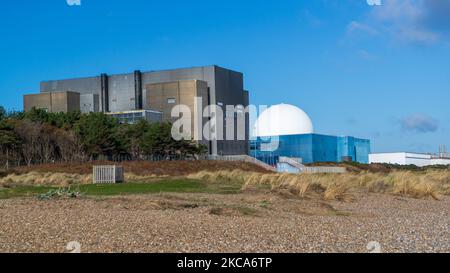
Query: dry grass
{"x": 328, "y": 187}
{"x": 341, "y": 187}
{"x": 45, "y": 179}
{"x": 339, "y": 192}
{"x": 416, "y": 186}
{"x": 288, "y": 185}
{"x": 146, "y": 168}
{"x": 62, "y": 179}
{"x": 223, "y": 176}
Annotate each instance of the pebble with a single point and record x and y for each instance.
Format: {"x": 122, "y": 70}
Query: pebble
{"x": 106, "y": 226}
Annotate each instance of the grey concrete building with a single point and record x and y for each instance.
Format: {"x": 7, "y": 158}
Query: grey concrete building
{"x": 166, "y": 96}
{"x": 158, "y": 90}
{"x": 89, "y": 103}
{"x": 54, "y": 102}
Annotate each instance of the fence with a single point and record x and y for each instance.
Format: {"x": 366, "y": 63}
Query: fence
{"x": 108, "y": 174}
{"x": 325, "y": 170}
{"x": 304, "y": 169}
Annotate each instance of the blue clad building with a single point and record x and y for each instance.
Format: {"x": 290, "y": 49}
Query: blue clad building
{"x": 311, "y": 148}
{"x": 286, "y": 131}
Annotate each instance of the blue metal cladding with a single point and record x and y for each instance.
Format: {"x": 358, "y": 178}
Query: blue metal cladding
{"x": 324, "y": 149}
{"x": 355, "y": 148}
{"x": 312, "y": 148}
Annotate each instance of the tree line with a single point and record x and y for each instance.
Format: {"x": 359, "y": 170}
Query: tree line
{"x": 38, "y": 137}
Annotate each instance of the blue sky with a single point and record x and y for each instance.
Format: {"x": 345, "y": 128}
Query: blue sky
{"x": 378, "y": 72}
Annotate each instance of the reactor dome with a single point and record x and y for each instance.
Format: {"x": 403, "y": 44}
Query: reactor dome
{"x": 282, "y": 120}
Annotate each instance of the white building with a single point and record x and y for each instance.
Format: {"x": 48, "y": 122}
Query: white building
{"x": 420, "y": 160}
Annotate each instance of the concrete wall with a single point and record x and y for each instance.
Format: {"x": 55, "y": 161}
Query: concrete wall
{"x": 53, "y": 102}
{"x": 164, "y": 97}
{"x": 89, "y": 103}
{"x": 91, "y": 85}
{"x": 39, "y": 101}
{"x": 121, "y": 93}
{"x": 229, "y": 90}
{"x": 225, "y": 88}
{"x": 65, "y": 102}
{"x": 80, "y": 85}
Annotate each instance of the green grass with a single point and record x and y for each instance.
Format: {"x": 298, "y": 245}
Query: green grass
{"x": 163, "y": 186}
{"x": 28, "y": 191}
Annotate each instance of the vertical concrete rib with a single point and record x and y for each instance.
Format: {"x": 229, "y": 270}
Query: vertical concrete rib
{"x": 138, "y": 89}
{"x": 104, "y": 93}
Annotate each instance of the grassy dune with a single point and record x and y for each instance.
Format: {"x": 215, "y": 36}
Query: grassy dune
{"x": 341, "y": 187}
{"x": 426, "y": 184}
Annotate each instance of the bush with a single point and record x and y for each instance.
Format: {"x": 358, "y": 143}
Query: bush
{"x": 60, "y": 193}
{"x": 38, "y": 137}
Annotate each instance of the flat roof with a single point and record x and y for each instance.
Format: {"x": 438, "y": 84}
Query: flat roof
{"x": 391, "y": 153}
{"x": 143, "y": 72}
{"x": 53, "y": 92}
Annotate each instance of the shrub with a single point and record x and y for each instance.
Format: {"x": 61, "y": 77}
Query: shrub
{"x": 60, "y": 193}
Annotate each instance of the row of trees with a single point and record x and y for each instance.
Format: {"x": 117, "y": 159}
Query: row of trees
{"x": 39, "y": 137}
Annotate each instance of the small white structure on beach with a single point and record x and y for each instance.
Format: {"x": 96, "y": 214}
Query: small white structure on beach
{"x": 110, "y": 174}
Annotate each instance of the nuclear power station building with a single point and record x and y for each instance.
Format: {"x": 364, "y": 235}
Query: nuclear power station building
{"x": 150, "y": 95}
{"x": 285, "y": 131}
{"x": 282, "y": 131}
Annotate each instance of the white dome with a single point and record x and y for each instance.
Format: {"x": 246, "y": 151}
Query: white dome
{"x": 282, "y": 120}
